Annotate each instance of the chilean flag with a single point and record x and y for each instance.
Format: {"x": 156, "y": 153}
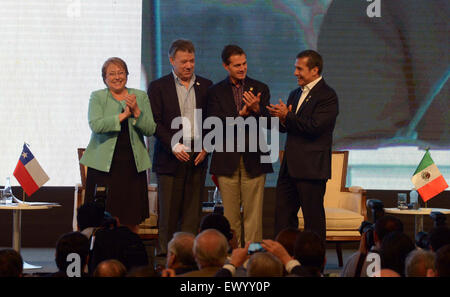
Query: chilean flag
{"x": 29, "y": 173}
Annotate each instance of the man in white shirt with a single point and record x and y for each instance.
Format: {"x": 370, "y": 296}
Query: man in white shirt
{"x": 180, "y": 167}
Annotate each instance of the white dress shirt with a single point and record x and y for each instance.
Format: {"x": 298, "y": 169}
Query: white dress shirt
{"x": 305, "y": 92}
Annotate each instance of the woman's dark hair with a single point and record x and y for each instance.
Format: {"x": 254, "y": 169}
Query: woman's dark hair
{"x": 89, "y": 215}
{"x": 218, "y": 222}
{"x": 11, "y": 263}
{"x": 287, "y": 239}
{"x": 310, "y": 249}
{"x": 395, "y": 247}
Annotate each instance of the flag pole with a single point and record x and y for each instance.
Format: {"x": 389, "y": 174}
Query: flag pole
{"x": 23, "y": 195}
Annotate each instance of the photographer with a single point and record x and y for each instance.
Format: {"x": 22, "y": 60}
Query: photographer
{"x": 356, "y": 265}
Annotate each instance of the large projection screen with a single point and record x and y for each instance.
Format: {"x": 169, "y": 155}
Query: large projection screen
{"x": 51, "y": 54}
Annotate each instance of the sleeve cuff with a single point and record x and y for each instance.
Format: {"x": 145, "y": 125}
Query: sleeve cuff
{"x": 291, "y": 264}
{"x": 174, "y": 147}
{"x": 230, "y": 268}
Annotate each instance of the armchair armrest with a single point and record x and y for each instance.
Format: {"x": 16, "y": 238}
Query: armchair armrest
{"x": 356, "y": 189}
{"x": 354, "y": 200}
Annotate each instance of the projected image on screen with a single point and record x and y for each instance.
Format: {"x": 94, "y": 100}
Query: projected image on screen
{"x": 391, "y": 72}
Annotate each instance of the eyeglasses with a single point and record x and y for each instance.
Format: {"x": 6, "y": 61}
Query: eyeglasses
{"x": 121, "y": 73}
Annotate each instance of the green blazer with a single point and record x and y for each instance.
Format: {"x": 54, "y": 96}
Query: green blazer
{"x": 103, "y": 116}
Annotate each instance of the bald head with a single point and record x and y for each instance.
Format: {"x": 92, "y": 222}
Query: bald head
{"x": 110, "y": 268}
{"x": 210, "y": 249}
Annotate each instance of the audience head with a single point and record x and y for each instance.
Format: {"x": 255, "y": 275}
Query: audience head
{"x": 72, "y": 242}
{"x": 287, "y": 239}
{"x": 89, "y": 215}
{"x": 110, "y": 268}
{"x": 11, "y": 263}
{"x": 420, "y": 263}
{"x": 142, "y": 271}
{"x": 385, "y": 225}
{"x": 439, "y": 236}
{"x": 219, "y": 222}
{"x": 264, "y": 265}
{"x": 443, "y": 261}
{"x": 394, "y": 249}
{"x": 310, "y": 250}
{"x": 180, "y": 250}
{"x": 210, "y": 249}
{"x": 388, "y": 273}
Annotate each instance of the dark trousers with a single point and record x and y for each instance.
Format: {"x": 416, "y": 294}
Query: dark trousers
{"x": 295, "y": 193}
{"x": 180, "y": 197}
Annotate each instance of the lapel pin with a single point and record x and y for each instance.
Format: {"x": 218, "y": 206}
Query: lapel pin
{"x": 197, "y": 83}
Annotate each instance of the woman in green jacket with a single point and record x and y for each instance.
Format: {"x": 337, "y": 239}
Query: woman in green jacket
{"x": 116, "y": 156}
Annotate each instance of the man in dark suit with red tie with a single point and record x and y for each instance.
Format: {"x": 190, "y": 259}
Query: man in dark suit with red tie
{"x": 308, "y": 118}
{"x": 180, "y": 165}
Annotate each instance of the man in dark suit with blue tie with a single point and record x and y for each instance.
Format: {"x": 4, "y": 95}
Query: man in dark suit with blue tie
{"x": 308, "y": 118}
{"x": 180, "y": 164}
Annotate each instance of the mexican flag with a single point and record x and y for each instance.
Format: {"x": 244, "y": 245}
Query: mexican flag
{"x": 427, "y": 179}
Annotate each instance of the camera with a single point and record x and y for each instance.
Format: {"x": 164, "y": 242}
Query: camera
{"x": 423, "y": 238}
{"x": 255, "y": 247}
{"x": 367, "y": 228}
{"x": 100, "y": 194}
{"x": 438, "y": 219}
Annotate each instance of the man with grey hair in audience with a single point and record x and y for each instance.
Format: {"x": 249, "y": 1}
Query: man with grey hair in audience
{"x": 180, "y": 255}
{"x": 420, "y": 263}
{"x": 264, "y": 265}
{"x": 210, "y": 252}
